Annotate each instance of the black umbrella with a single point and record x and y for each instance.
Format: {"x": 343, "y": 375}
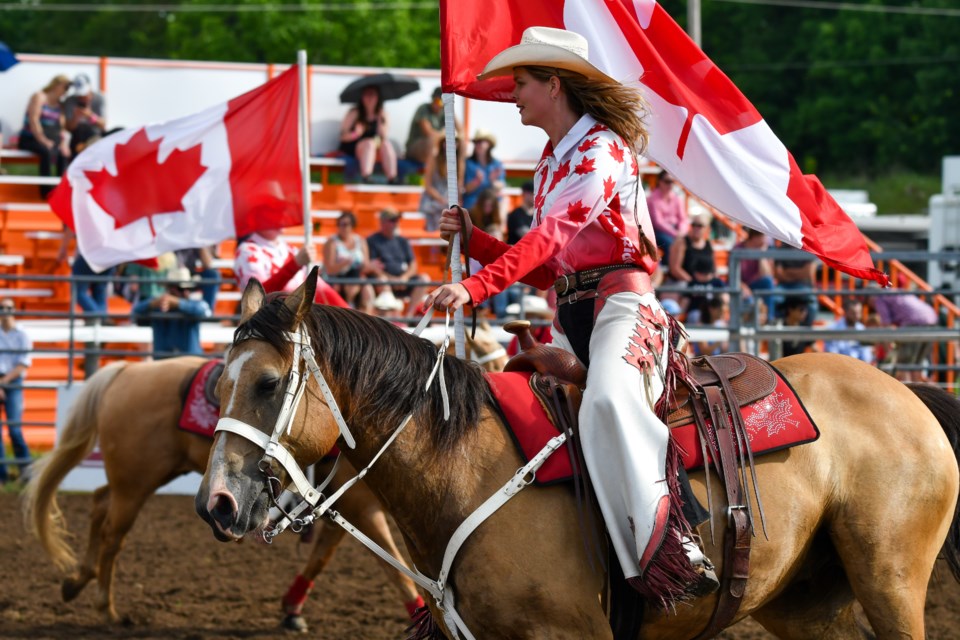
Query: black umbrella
{"x": 391, "y": 87}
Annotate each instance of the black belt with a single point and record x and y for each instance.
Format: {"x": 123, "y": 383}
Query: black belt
{"x": 586, "y": 279}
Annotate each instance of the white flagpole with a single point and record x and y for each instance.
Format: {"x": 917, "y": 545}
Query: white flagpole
{"x": 305, "y": 148}
{"x": 453, "y": 197}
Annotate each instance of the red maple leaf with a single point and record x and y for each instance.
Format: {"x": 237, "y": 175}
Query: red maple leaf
{"x": 608, "y": 186}
{"x": 634, "y": 167}
{"x": 585, "y": 166}
{"x": 144, "y": 187}
{"x": 645, "y": 344}
{"x": 587, "y": 144}
{"x": 577, "y": 212}
{"x": 560, "y": 174}
{"x": 597, "y": 128}
{"x": 686, "y": 77}
{"x": 616, "y": 151}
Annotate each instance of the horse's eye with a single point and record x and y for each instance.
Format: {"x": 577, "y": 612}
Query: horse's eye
{"x": 268, "y": 386}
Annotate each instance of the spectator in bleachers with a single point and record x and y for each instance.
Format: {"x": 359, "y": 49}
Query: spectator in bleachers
{"x": 434, "y": 198}
{"x": 794, "y": 310}
{"x": 692, "y": 265}
{"x": 668, "y": 214}
{"x": 345, "y": 255}
{"x": 83, "y": 112}
{"x": 798, "y": 274}
{"x": 391, "y": 258}
{"x": 44, "y": 132}
{"x": 756, "y": 274}
{"x": 483, "y": 171}
{"x": 148, "y": 283}
{"x": 15, "y": 350}
{"x": 364, "y": 135}
{"x": 520, "y": 219}
{"x": 714, "y": 313}
{"x": 200, "y": 263}
{"x": 266, "y": 256}
{"x": 90, "y": 294}
{"x": 175, "y": 315}
{"x": 427, "y": 129}
{"x": 485, "y": 213}
{"x": 906, "y": 310}
{"x": 852, "y": 319}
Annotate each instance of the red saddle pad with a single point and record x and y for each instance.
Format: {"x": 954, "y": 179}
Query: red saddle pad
{"x": 199, "y": 414}
{"x": 773, "y": 423}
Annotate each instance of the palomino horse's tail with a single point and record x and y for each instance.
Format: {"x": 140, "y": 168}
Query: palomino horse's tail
{"x": 41, "y": 515}
{"x": 946, "y": 408}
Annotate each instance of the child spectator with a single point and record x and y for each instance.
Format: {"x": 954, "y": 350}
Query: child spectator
{"x": 851, "y": 320}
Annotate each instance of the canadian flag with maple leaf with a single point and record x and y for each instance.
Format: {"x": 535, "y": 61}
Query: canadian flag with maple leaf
{"x": 227, "y": 171}
{"x": 702, "y": 129}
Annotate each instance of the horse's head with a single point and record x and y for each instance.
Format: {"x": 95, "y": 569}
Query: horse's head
{"x": 259, "y": 395}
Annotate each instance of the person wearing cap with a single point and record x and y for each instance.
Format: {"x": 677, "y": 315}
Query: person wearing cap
{"x": 483, "y": 171}
{"x": 175, "y": 315}
{"x": 590, "y": 240}
{"x": 391, "y": 258}
{"x": 427, "y": 129}
{"x": 83, "y": 112}
{"x": 44, "y": 129}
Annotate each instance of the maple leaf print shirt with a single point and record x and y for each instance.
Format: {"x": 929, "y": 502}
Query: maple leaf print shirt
{"x": 585, "y": 194}
{"x": 272, "y": 263}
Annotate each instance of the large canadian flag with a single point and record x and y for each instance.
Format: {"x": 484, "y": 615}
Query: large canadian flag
{"x": 702, "y": 129}
{"x": 221, "y": 173}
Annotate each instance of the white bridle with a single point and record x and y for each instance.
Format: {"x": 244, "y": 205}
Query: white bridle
{"x": 274, "y": 450}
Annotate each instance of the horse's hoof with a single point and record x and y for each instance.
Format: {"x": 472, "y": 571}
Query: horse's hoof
{"x": 294, "y": 622}
{"x": 71, "y": 588}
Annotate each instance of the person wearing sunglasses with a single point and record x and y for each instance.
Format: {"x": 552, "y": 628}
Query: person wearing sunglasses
{"x": 667, "y": 213}
{"x": 15, "y": 349}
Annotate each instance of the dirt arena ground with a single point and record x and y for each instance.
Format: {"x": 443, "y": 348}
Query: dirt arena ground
{"x": 174, "y": 581}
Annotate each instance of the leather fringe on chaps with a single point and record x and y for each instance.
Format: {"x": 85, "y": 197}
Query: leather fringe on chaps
{"x": 669, "y": 576}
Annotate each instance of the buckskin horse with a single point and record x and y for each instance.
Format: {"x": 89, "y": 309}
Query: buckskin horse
{"x": 142, "y": 449}
{"x": 859, "y": 515}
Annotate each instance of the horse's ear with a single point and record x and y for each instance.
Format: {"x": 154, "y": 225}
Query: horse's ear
{"x": 300, "y": 301}
{"x": 252, "y": 300}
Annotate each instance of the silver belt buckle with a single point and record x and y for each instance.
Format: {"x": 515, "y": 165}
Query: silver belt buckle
{"x": 566, "y": 283}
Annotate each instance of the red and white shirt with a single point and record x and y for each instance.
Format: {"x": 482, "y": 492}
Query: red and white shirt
{"x": 274, "y": 264}
{"x": 586, "y": 215}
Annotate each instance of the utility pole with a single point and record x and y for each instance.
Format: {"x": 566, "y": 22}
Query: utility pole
{"x": 693, "y": 22}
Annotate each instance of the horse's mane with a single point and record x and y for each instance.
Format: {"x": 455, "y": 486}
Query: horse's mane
{"x": 378, "y": 371}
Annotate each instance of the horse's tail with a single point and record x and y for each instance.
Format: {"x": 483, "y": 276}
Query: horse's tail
{"x": 41, "y": 515}
{"x": 946, "y": 408}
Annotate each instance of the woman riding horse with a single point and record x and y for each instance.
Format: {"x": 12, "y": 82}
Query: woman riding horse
{"x": 860, "y": 515}
{"x": 590, "y": 240}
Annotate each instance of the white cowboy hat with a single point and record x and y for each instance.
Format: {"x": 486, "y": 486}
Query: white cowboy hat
{"x": 181, "y": 277}
{"x": 545, "y": 47}
{"x": 532, "y": 306}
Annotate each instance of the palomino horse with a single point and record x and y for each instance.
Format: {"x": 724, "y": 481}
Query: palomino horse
{"x": 142, "y": 450}
{"x": 858, "y": 515}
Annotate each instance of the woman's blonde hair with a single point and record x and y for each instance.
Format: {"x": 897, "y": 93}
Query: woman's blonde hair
{"x": 57, "y": 80}
{"x": 618, "y": 106}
